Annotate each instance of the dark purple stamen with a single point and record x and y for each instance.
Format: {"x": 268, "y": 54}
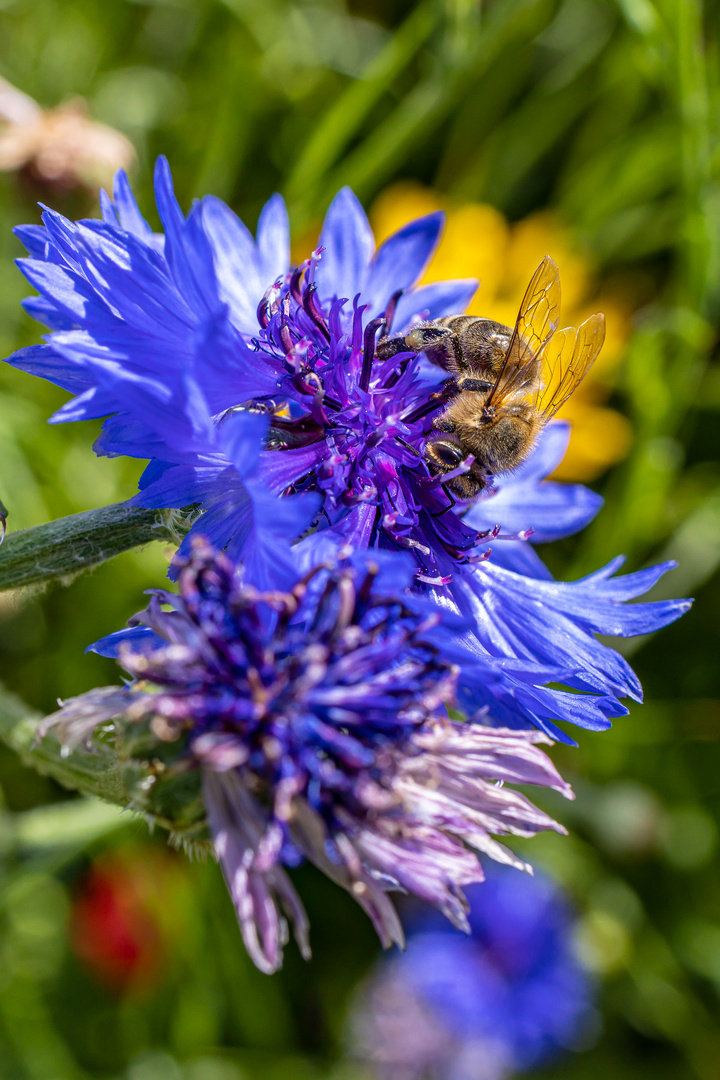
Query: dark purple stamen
{"x": 311, "y": 306}
{"x": 390, "y": 311}
{"x": 369, "y": 350}
{"x": 263, "y": 312}
{"x": 296, "y": 277}
{"x": 286, "y": 340}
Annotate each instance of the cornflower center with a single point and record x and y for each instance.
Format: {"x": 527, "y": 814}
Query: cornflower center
{"x": 308, "y": 694}
{"x": 357, "y": 426}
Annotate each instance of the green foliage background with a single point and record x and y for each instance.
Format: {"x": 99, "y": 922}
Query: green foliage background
{"x": 608, "y": 111}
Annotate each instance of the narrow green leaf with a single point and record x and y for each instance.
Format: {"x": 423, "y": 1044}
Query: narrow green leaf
{"x": 340, "y": 123}
{"x": 75, "y": 823}
{"x": 424, "y": 108}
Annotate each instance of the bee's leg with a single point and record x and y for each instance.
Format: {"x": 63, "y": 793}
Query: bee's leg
{"x": 478, "y": 385}
{"x": 435, "y": 401}
{"x": 453, "y": 502}
{"x": 388, "y": 347}
{"x": 438, "y": 343}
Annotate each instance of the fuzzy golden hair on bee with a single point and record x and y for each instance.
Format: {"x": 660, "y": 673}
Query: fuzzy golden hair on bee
{"x": 508, "y": 383}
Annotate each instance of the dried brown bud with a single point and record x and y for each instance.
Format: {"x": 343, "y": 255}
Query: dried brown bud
{"x": 61, "y": 146}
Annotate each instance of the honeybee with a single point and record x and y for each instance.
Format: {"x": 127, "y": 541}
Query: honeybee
{"x": 506, "y": 383}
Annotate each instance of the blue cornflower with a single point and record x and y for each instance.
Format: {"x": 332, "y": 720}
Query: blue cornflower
{"x": 506, "y": 1001}
{"x": 315, "y": 720}
{"x": 254, "y": 391}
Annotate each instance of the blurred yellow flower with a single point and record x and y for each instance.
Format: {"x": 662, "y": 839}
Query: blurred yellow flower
{"x": 479, "y": 242}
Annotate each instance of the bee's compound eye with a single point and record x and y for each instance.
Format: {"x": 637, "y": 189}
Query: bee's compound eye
{"x": 446, "y": 453}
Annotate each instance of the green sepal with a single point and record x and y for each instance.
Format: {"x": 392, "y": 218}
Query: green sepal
{"x": 161, "y": 779}
{"x": 126, "y": 765}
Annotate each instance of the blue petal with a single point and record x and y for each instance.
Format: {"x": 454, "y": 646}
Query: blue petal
{"x": 226, "y": 524}
{"x": 187, "y": 248}
{"x": 90, "y": 405}
{"x": 268, "y": 557}
{"x": 38, "y": 307}
{"x": 42, "y": 361}
{"x": 348, "y": 245}
{"x": 520, "y": 557}
{"x": 549, "y": 451}
{"x": 434, "y": 302}
{"x": 552, "y": 510}
{"x": 178, "y": 486}
{"x": 400, "y": 261}
{"x": 34, "y": 238}
{"x": 241, "y": 280}
{"x": 273, "y": 241}
{"x": 137, "y": 638}
{"x": 229, "y": 369}
{"x": 631, "y": 585}
{"x": 127, "y": 210}
{"x": 107, "y": 210}
{"x": 611, "y": 568}
{"x": 64, "y": 290}
{"x": 553, "y": 623}
{"x": 109, "y": 363}
{"x": 255, "y": 528}
{"x": 121, "y": 435}
{"x": 241, "y": 437}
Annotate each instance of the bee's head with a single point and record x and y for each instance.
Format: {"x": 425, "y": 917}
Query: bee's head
{"x": 444, "y": 454}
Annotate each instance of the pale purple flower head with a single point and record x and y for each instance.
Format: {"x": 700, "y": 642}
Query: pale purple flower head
{"x": 315, "y": 721}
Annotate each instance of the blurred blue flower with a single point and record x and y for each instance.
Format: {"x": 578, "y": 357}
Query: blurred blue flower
{"x": 316, "y": 718}
{"x": 254, "y": 391}
{"x": 506, "y": 1001}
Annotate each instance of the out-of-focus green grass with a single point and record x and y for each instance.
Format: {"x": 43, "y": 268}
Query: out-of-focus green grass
{"x": 609, "y": 113}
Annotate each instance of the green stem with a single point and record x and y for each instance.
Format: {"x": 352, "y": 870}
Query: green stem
{"x": 63, "y": 548}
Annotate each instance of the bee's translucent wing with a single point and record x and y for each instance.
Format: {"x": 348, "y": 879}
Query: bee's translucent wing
{"x": 566, "y": 361}
{"x": 536, "y": 323}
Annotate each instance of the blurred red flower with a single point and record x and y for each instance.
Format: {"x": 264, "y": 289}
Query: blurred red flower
{"x": 115, "y": 926}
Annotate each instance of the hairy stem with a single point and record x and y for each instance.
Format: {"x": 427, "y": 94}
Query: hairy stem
{"x": 64, "y": 548}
